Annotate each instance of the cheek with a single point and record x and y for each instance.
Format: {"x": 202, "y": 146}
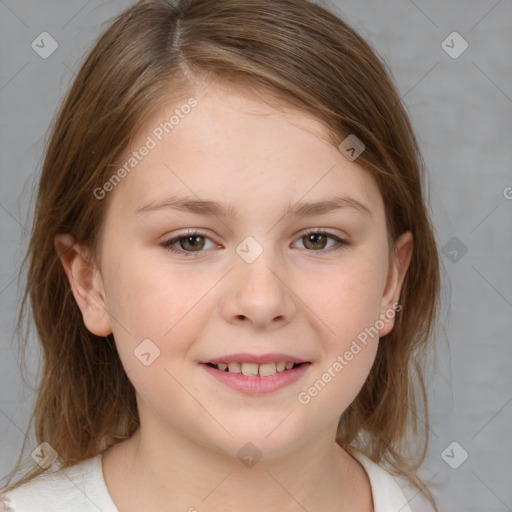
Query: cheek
{"x": 348, "y": 303}
{"x": 164, "y": 307}
{"x": 157, "y": 303}
{"x": 347, "y": 297}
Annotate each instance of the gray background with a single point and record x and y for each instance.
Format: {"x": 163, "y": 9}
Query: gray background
{"x": 462, "y": 111}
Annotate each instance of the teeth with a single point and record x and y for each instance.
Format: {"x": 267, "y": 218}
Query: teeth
{"x": 249, "y": 368}
{"x": 234, "y": 368}
{"x": 267, "y": 369}
{"x": 252, "y": 369}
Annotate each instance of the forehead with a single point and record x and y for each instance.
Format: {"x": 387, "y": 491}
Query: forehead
{"x": 227, "y": 144}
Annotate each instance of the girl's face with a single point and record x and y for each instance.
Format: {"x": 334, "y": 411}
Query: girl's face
{"x": 206, "y": 257}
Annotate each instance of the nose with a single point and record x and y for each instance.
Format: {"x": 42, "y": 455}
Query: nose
{"x": 258, "y": 293}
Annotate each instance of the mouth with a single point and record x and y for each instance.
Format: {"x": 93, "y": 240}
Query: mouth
{"x": 255, "y": 375}
{"x": 255, "y": 369}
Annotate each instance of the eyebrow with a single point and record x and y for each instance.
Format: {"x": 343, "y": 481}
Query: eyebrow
{"x": 300, "y": 209}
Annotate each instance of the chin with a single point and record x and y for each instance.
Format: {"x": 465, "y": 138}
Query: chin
{"x": 259, "y": 441}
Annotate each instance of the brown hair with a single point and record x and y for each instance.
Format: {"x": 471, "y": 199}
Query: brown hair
{"x": 308, "y": 58}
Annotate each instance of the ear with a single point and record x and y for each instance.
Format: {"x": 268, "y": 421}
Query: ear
{"x": 398, "y": 266}
{"x": 86, "y": 284}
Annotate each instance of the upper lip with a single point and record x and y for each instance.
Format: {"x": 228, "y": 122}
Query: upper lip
{"x": 255, "y": 358}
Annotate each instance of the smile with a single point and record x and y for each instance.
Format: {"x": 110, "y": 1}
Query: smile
{"x": 263, "y": 370}
{"x": 255, "y": 378}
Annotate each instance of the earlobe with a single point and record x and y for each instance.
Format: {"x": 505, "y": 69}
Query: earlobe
{"x": 398, "y": 266}
{"x": 86, "y": 284}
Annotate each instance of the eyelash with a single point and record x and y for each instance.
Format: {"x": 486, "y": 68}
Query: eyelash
{"x": 168, "y": 244}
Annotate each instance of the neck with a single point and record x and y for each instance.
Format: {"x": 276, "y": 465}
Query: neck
{"x": 186, "y": 476}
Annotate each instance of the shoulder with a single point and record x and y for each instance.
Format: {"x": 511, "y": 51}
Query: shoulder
{"x": 416, "y": 499}
{"x": 78, "y": 488}
{"x": 391, "y": 492}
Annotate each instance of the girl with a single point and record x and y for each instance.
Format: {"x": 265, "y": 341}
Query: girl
{"x": 232, "y": 271}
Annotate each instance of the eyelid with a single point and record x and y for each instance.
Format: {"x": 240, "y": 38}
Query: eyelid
{"x": 319, "y": 230}
{"x": 189, "y": 232}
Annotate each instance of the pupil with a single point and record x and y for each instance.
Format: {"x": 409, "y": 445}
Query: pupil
{"x": 194, "y": 241}
{"x": 312, "y": 239}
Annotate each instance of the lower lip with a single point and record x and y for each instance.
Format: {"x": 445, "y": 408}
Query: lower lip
{"x": 256, "y": 385}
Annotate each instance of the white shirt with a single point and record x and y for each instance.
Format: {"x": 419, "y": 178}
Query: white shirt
{"x": 82, "y": 488}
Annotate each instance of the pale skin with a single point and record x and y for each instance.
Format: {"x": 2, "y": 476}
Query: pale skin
{"x": 306, "y": 299}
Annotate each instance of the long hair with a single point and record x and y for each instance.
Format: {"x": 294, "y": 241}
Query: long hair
{"x": 298, "y": 53}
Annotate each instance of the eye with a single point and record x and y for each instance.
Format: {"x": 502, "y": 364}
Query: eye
{"x": 189, "y": 243}
{"x": 316, "y": 240}
{"x": 192, "y": 242}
